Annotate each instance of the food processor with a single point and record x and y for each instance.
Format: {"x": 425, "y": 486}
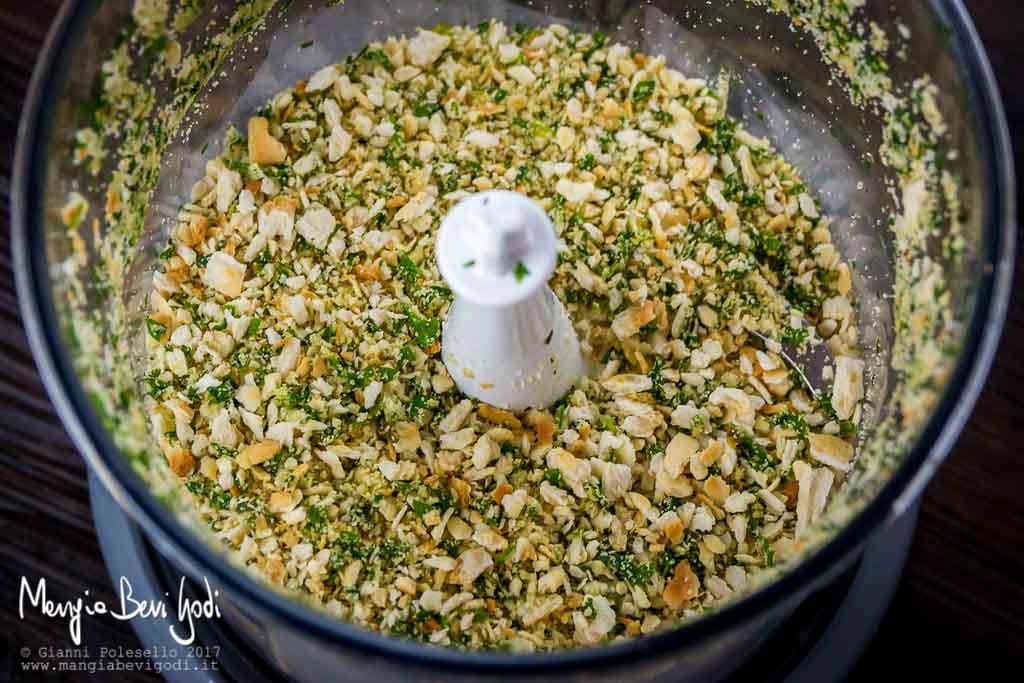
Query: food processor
{"x": 822, "y": 80}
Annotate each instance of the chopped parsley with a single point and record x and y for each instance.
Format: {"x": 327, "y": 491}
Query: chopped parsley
{"x": 794, "y": 336}
{"x": 722, "y": 138}
{"x": 505, "y": 553}
{"x": 253, "y": 327}
{"x": 424, "y": 331}
{"x": 221, "y": 393}
{"x": 349, "y": 546}
{"x": 380, "y": 57}
{"x": 156, "y": 329}
{"x": 316, "y": 520}
{"x": 392, "y": 551}
{"x": 554, "y": 477}
{"x": 295, "y": 395}
{"x": 802, "y": 298}
{"x": 425, "y": 109}
{"x": 753, "y": 453}
{"x": 623, "y": 566}
{"x": 792, "y": 421}
{"x": 408, "y": 272}
{"x": 643, "y": 90}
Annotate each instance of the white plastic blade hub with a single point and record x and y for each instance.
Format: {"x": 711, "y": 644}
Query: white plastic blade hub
{"x": 507, "y": 339}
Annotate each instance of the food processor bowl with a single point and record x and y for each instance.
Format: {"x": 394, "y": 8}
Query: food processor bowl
{"x": 782, "y": 89}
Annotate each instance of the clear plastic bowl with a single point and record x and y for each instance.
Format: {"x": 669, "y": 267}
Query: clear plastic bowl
{"x": 808, "y": 116}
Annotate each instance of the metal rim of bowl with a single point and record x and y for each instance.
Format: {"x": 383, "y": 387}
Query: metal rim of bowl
{"x": 192, "y": 554}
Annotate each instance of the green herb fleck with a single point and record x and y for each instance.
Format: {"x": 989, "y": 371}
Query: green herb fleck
{"x": 380, "y": 57}
{"x": 219, "y": 498}
{"x": 643, "y": 90}
{"x": 794, "y": 336}
{"x": 663, "y": 117}
{"x": 789, "y": 420}
{"x": 424, "y": 331}
{"x": 825, "y": 405}
{"x": 253, "y": 327}
{"x": 752, "y": 452}
{"x": 348, "y": 546}
{"x": 392, "y": 551}
{"x": 316, "y": 520}
{"x": 554, "y": 477}
{"x": 766, "y": 548}
{"x": 598, "y": 40}
{"x": 625, "y": 568}
{"x": 407, "y": 270}
{"x": 802, "y": 298}
{"x": 722, "y": 139}
{"x": 505, "y": 554}
{"x": 156, "y": 386}
{"x": 156, "y": 329}
{"x": 425, "y": 109}
{"x": 295, "y": 395}
{"x": 221, "y": 393}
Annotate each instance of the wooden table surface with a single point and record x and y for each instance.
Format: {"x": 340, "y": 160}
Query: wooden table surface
{"x": 960, "y": 603}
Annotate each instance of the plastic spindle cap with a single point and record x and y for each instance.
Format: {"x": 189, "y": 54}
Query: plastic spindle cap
{"x": 496, "y": 248}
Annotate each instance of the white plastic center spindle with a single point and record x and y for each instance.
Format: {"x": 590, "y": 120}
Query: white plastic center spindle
{"x": 507, "y": 340}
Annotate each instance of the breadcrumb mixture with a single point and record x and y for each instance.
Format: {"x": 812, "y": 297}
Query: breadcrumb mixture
{"x": 297, "y": 387}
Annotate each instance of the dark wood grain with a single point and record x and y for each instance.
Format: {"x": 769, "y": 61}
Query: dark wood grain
{"x": 960, "y": 604}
